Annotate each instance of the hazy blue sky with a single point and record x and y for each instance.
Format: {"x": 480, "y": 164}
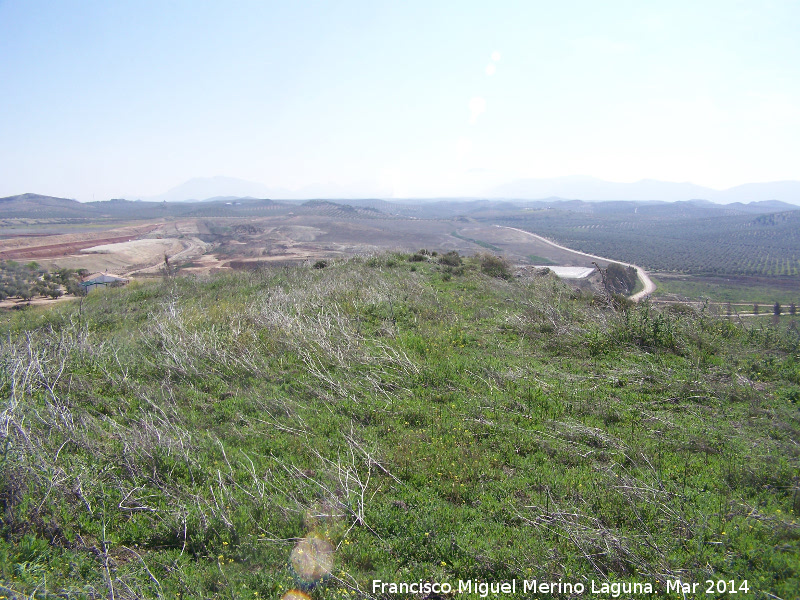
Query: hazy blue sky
{"x": 112, "y": 98}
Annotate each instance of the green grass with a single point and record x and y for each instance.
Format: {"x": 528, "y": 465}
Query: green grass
{"x": 177, "y": 439}
{"x": 540, "y": 260}
{"x": 723, "y": 290}
{"x": 480, "y": 243}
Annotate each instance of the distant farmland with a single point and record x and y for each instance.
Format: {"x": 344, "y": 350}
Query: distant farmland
{"x": 737, "y": 245}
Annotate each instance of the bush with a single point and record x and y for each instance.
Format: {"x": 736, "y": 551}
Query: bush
{"x": 451, "y": 259}
{"x": 320, "y": 264}
{"x": 495, "y": 266}
{"x": 620, "y": 279}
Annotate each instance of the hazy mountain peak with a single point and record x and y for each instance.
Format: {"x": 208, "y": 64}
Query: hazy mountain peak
{"x": 203, "y": 188}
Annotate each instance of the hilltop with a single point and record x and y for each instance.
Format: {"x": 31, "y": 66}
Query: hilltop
{"x": 428, "y": 416}
{"x": 36, "y": 206}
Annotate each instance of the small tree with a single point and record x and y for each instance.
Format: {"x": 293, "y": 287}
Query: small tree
{"x": 75, "y": 288}
{"x": 755, "y": 309}
{"x": 63, "y": 276}
{"x": 792, "y": 309}
{"x": 39, "y": 288}
{"x": 776, "y": 309}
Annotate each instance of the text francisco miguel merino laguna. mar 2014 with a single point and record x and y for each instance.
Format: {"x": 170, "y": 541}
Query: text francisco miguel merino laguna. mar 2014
{"x": 532, "y": 586}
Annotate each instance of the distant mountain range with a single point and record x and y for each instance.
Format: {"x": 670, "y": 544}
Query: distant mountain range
{"x": 591, "y": 189}
{"x": 228, "y": 188}
{"x": 588, "y": 189}
{"x": 35, "y": 206}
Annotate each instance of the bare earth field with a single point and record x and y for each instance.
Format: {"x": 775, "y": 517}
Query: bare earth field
{"x": 204, "y": 245}
{"x": 39, "y": 301}
{"x": 124, "y": 250}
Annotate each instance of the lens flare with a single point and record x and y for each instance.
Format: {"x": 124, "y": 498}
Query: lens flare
{"x": 311, "y": 561}
{"x": 295, "y": 595}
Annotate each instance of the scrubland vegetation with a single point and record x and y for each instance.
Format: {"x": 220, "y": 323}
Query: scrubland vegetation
{"x": 434, "y": 418}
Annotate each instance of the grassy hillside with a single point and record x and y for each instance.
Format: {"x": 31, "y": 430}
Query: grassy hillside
{"x": 433, "y": 423}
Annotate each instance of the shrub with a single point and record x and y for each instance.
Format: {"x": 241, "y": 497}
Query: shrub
{"x": 495, "y": 266}
{"x": 451, "y": 259}
{"x": 620, "y": 279}
{"x": 320, "y": 264}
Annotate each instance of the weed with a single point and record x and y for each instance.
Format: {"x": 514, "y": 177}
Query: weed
{"x": 178, "y": 439}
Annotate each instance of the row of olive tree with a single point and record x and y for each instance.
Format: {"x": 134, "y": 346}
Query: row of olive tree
{"x": 26, "y": 281}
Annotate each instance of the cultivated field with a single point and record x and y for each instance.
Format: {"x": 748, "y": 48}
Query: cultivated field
{"x": 699, "y": 249}
{"x": 204, "y": 245}
{"x": 690, "y": 242}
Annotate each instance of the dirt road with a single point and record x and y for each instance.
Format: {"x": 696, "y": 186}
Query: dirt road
{"x": 649, "y": 286}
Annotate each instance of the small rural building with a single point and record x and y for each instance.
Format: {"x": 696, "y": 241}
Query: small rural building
{"x": 95, "y": 280}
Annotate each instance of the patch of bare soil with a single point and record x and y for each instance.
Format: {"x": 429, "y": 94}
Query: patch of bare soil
{"x": 207, "y": 263}
{"x": 59, "y": 249}
{"x": 519, "y": 245}
{"x": 33, "y": 247}
{"x": 16, "y": 303}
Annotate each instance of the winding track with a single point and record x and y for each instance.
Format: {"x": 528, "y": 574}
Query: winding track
{"x": 649, "y": 286}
